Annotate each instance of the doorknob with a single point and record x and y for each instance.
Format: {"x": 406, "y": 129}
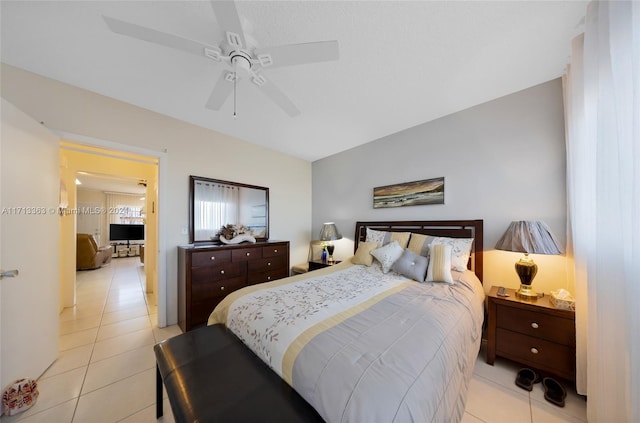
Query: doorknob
{"x": 8, "y": 273}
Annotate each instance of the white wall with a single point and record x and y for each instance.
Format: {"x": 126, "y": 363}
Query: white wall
{"x": 503, "y": 160}
{"x": 191, "y": 150}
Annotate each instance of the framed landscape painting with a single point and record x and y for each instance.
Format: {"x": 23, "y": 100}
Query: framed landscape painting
{"x": 428, "y": 191}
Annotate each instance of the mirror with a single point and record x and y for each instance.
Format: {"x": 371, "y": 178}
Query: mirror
{"x": 214, "y": 203}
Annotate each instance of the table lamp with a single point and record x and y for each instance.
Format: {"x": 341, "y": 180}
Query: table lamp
{"x": 528, "y": 237}
{"x": 328, "y": 233}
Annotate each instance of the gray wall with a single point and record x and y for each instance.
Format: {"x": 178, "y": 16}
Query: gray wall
{"x": 503, "y": 160}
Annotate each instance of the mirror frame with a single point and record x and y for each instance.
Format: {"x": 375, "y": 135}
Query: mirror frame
{"x": 192, "y": 181}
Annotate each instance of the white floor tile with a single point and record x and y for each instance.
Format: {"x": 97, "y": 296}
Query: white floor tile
{"x": 78, "y": 339}
{"x": 113, "y": 369}
{"x": 118, "y": 400}
{"x": 468, "y": 418}
{"x": 148, "y": 415}
{"x": 62, "y": 413}
{"x": 69, "y": 360}
{"x": 492, "y": 402}
{"x": 123, "y": 327}
{"x": 119, "y": 316}
{"x": 121, "y": 344}
{"x": 78, "y": 325}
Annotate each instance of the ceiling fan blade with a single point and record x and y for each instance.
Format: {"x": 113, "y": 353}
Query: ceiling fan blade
{"x": 298, "y": 54}
{"x": 221, "y": 91}
{"x": 278, "y": 97}
{"x": 229, "y": 20}
{"x": 157, "y": 37}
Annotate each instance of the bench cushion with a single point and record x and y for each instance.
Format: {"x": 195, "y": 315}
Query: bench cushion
{"x": 210, "y": 376}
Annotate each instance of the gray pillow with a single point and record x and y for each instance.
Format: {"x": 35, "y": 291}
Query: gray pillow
{"x": 411, "y": 265}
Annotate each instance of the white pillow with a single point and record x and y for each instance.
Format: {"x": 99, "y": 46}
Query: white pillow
{"x": 384, "y": 237}
{"x": 387, "y": 255}
{"x": 460, "y": 250}
{"x": 439, "y": 264}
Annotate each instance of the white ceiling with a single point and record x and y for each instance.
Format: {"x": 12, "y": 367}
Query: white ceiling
{"x": 401, "y": 63}
{"x": 110, "y": 183}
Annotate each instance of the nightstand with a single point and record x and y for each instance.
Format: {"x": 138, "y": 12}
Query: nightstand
{"x": 533, "y": 333}
{"x": 319, "y": 264}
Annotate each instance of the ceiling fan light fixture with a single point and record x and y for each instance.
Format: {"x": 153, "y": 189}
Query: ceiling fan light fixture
{"x": 234, "y": 39}
{"x": 258, "y": 80}
{"x": 214, "y": 54}
{"x": 265, "y": 60}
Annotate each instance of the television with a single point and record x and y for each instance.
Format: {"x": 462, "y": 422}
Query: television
{"x": 123, "y": 232}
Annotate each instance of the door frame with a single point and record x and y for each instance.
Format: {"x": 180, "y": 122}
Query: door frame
{"x": 161, "y": 271}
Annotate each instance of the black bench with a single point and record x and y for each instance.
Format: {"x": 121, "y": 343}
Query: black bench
{"x": 211, "y": 376}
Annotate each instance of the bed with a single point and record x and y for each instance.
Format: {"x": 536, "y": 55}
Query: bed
{"x": 360, "y": 344}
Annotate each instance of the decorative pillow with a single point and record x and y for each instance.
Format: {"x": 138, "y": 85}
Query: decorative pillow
{"x": 363, "y": 254}
{"x": 439, "y": 264}
{"x": 384, "y": 237}
{"x": 419, "y": 244}
{"x": 387, "y": 255}
{"x": 460, "y": 251}
{"x": 411, "y": 265}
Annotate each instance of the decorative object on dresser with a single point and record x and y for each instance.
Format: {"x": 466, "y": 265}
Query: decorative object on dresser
{"x": 328, "y": 233}
{"x": 528, "y": 237}
{"x": 537, "y": 335}
{"x": 207, "y": 274}
{"x": 235, "y": 234}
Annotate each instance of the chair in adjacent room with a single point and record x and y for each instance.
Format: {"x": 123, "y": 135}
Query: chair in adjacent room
{"x": 89, "y": 255}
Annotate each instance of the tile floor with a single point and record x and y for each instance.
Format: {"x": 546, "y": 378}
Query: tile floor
{"x": 106, "y": 368}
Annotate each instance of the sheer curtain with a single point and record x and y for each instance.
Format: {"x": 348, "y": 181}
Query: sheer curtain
{"x": 216, "y": 205}
{"x": 602, "y": 100}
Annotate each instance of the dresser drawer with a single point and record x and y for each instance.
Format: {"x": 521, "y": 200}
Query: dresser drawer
{"x": 206, "y": 275}
{"x": 241, "y": 254}
{"x": 533, "y": 323}
{"x": 268, "y": 276}
{"x": 217, "y": 289}
{"x": 209, "y": 258}
{"x": 266, "y": 264}
{"x": 537, "y": 352}
{"x": 274, "y": 251}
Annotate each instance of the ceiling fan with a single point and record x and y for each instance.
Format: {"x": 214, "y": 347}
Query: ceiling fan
{"x": 240, "y": 59}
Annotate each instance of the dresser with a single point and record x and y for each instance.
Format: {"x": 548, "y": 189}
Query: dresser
{"x": 532, "y": 333}
{"x": 208, "y": 273}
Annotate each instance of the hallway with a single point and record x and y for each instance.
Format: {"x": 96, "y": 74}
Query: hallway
{"x": 105, "y": 371}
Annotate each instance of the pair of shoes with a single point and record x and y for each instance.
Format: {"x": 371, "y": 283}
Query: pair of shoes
{"x": 526, "y": 378}
{"x": 554, "y": 392}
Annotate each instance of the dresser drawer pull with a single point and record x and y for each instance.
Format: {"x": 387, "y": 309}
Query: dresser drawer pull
{"x": 248, "y": 254}
{"x": 534, "y": 350}
{"x": 275, "y": 251}
{"x": 222, "y": 272}
{"x": 222, "y": 288}
{"x": 268, "y": 278}
{"x": 534, "y": 325}
{"x": 213, "y": 257}
{"x": 269, "y": 264}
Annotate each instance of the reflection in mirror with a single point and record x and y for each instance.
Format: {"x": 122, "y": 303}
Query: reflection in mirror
{"x": 215, "y": 203}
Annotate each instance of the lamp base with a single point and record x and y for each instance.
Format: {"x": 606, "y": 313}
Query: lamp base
{"x": 527, "y": 293}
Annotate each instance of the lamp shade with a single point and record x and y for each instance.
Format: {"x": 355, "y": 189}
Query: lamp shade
{"x": 531, "y": 237}
{"x": 329, "y": 232}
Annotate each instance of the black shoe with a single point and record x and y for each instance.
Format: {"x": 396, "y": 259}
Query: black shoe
{"x": 554, "y": 392}
{"x": 526, "y": 378}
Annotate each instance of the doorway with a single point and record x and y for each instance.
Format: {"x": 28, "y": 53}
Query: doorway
{"x": 81, "y": 159}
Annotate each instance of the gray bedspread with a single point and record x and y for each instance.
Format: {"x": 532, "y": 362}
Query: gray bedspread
{"x": 362, "y": 346}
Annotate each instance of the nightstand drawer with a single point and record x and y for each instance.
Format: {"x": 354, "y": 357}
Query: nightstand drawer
{"x": 534, "y": 323}
{"x": 536, "y": 352}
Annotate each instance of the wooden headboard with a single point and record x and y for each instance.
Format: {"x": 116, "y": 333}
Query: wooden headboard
{"x": 448, "y": 228}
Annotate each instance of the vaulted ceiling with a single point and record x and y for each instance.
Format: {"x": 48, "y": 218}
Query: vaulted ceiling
{"x": 401, "y": 63}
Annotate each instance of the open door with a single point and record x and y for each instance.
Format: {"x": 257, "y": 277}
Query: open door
{"x": 29, "y": 226}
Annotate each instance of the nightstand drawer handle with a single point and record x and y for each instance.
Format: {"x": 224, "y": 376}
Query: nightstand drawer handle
{"x": 268, "y": 278}
{"x": 269, "y": 264}
{"x": 534, "y": 350}
{"x": 222, "y": 288}
{"x": 534, "y": 325}
{"x": 222, "y": 272}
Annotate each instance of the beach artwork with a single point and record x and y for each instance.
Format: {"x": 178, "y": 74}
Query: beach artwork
{"x": 428, "y": 191}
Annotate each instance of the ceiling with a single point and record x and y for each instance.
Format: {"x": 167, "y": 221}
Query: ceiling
{"x": 111, "y": 183}
{"x": 401, "y": 63}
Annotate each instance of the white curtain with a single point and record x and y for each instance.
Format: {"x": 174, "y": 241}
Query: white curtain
{"x": 215, "y": 205}
{"x": 122, "y": 206}
{"x": 602, "y": 101}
